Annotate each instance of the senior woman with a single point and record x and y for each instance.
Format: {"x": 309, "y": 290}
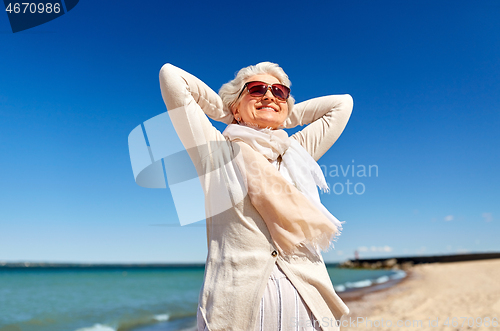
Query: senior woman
{"x": 264, "y": 269}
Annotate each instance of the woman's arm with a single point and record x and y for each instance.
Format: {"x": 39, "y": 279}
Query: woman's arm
{"x": 327, "y": 116}
{"x": 188, "y": 101}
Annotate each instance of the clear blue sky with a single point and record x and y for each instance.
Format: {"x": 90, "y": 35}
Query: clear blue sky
{"x": 424, "y": 77}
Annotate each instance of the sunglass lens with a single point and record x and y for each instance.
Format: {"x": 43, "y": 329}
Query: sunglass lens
{"x": 257, "y": 89}
{"x": 280, "y": 91}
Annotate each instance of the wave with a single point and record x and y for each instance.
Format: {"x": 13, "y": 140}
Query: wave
{"x": 162, "y": 317}
{"x": 186, "y": 321}
{"x": 398, "y": 275}
{"x": 98, "y": 327}
{"x": 369, "y": 282}
{"x": 359, "y": 284}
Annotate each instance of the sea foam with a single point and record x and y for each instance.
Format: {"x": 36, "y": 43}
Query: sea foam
{"x": 162, "y": 317}
{"x": 98, "y": 327}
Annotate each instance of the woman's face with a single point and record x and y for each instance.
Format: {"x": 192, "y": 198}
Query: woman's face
{"x": 266, "y": 111}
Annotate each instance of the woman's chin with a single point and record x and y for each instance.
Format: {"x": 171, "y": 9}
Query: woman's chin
{"x": 267, "y": 123}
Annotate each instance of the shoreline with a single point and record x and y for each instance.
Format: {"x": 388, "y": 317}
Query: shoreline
{"x": 358, "y": 293}
{"x": 361, "y": 302}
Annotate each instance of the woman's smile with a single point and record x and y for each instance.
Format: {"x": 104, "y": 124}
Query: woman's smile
{"x": 267, "y": 108}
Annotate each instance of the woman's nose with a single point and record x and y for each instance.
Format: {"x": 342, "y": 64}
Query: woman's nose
{"x": 268, "y": 95}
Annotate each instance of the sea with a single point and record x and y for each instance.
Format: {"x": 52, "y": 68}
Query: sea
{"x": 122, "y": 298}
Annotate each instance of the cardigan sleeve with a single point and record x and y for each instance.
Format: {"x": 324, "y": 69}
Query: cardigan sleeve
{"x": 327, "y": 117}
{"x": 189, "y": 101}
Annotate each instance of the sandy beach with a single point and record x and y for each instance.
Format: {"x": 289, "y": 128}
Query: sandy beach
{"x": 438, "y": 296}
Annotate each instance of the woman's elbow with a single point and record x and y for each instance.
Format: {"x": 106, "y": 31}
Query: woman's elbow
{"x": 167, "y": 74}
{"x": 172, "y": 85}
{"x": 348, "y": 102}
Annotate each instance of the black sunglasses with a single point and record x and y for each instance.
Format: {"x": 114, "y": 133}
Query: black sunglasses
{"x": 259, "y": 89}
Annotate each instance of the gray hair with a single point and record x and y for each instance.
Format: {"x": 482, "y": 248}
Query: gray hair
{"x": 229, "y": 92}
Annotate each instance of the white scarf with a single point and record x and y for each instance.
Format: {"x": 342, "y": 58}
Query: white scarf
{"x": 297, "y": 165}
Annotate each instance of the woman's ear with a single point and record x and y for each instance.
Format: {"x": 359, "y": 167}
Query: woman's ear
{"x": 236, "y": 113}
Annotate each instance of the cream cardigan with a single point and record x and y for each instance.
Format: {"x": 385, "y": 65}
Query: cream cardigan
{"x": 241, "y": 255}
